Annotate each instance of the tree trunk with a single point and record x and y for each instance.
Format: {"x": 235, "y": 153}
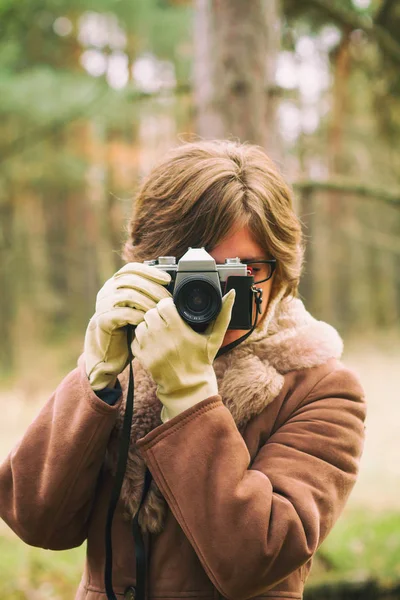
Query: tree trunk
{"x": 273, "y": 141}
{"x": 338, "y": 285}
{"x": 236, "y": 45}
{"x": 7, "y": 287}
{"x": 209, "y": 123}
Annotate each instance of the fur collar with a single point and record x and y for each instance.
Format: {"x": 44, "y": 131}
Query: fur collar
{"x": 288, "y": 339}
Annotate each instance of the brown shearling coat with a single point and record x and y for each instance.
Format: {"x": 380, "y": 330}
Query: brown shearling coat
{"x": 246, "y": 484}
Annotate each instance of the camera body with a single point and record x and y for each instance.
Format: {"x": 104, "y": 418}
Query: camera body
{"x": 198, "y": 284}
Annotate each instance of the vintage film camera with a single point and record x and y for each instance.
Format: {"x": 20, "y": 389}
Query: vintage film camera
{"x": 198, "y": 284}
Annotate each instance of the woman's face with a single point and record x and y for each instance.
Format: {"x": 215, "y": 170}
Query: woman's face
{"x": 241, "y": 244}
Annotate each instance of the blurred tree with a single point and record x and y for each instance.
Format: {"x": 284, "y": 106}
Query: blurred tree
{"x": 236, "y": 47}
{"x": 356, "y": 139}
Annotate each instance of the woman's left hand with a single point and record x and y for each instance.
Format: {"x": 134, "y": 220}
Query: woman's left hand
{"x": 178, "y": 358}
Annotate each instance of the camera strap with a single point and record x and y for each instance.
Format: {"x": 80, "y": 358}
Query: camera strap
{"x": 119, "y": 477}
{"x": 140, "y": 551}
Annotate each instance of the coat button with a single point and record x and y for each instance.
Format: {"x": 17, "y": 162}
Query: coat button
{"x": 130, "y": 593}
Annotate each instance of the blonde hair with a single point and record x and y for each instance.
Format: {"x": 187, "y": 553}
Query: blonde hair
{"x": 200, "y": 191}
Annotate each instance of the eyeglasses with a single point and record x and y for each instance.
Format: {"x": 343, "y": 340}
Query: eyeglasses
{"x": 264, "y": 269}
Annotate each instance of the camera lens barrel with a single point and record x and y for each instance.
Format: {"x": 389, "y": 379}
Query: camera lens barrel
{"x": 197, "y": 300}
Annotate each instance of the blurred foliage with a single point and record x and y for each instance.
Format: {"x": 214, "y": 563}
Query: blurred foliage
{"x": 27, "y": 572}
{"x": 365, "y": 545}
{"x": 28, "y": 36}
{"x": 41, "y": 78}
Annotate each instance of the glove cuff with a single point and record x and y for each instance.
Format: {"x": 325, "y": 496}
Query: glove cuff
{"x": 177, "y": 402}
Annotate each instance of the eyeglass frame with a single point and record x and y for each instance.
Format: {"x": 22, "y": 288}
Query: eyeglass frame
{"x": 271, "y": 261}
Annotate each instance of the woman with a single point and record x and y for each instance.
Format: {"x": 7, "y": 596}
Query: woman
{"x": 253, "y": 454}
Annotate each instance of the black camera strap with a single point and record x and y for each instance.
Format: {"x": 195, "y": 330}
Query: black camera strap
{"x": 119, "y": 476}
{"x": 140, "y": 551}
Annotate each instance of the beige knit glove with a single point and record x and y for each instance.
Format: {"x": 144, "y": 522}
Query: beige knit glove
{"x": 178, "y": 358}
{"x": 123, "y": 299}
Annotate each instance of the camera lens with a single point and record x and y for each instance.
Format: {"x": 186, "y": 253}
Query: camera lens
{"x": 197, "y": 300}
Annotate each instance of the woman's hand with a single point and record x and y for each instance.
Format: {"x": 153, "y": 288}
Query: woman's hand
{"x": 179, "y": 359}
{"x": 123, "y": 299}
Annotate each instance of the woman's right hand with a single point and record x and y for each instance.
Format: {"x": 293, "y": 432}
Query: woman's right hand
{"x": 124, "y": 299}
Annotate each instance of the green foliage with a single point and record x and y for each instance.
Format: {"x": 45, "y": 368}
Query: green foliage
{"x": 25, "y": 570}
{"x": 159, "y": 27}
{"x": 43, "y": 87}
{"x": 43, "y": 94}
{"x": 318, "y": 17}
{"x": 361, "y": 545}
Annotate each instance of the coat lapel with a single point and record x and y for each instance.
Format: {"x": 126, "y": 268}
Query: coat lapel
{"x": 249, "y": 378}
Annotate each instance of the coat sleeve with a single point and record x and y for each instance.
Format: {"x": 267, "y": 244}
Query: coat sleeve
{"x": 48, "y": 481}
{"x": 251, "y": 525}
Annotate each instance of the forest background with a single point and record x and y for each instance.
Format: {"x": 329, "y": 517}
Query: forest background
{"x": 91, "y": 94}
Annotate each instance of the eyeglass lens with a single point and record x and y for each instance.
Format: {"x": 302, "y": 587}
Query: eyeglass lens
{"x": 260, "y": 270}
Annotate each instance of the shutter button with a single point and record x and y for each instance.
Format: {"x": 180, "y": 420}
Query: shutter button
{"x": 130, "y": 593}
